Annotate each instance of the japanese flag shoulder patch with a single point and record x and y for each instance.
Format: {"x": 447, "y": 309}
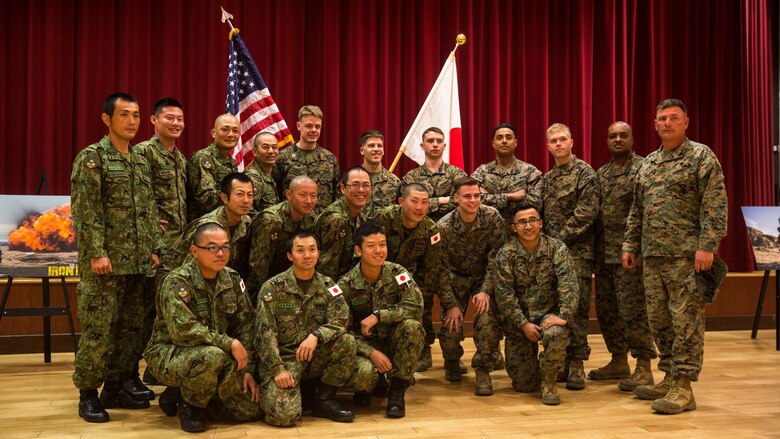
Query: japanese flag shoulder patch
{"x": 436, "y": 238}
{"x": 403, "y": 278}
{"x": 242, "y": 285}
{"x": 335, "y": 291}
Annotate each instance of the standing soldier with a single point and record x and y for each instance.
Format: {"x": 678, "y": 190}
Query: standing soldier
{"x": 620, "y": 298}
{"x": 338, "y": 222}
{"x": 536, "y": 294}
{"x": 571, "y": 199}
{"x": 308, "y": 158}
{"x": 507, "y": 180}
{"x": 266, "y": 151}
{"x": 115, "y": 215}
{"x": 470, "y": 237}
{"x": 435, "y": 175}
{"x": 208, "y": 166}
{"x": 386, "y": 307}
{"x": 678, "y": 218}
{"x": 301, "y": 335}
{"x": 384, "y": 184}
{"x": 203, "y": 330}
{"x": 169, "y": 183}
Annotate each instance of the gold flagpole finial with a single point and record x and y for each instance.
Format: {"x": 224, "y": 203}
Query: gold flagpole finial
{"x": 460, "y": 39}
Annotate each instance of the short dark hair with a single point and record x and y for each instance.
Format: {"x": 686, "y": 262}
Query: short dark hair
{"x": 300, "y": 234}
{"x": 671, "y": 102}
{"x": 226, "y": 185}
{"x": 166, "y": 102}
{"x": 366, "y": 229}
{"x": 432, "y": 130}
{"x": 369, "y": 134}
{"x": 110, "y": 103}
{"x": 256, "y": 140}
{"x": 197, "y": 237}
{"x": 407, "y": 189}
{"x": 504, "y": 125}
{"x": 525, "y": 206}
{"x": 345, "y": 175}
{"x": 464, "y": 181}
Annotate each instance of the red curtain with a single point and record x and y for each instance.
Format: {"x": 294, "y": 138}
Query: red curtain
{"x": 370, "y": 64}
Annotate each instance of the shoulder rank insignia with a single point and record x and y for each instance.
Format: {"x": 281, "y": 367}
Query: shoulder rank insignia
{"x": 206, "y": 163}
{"x": 181, "y": 291}
{"x": 403, "y": 278}
{"x": 91, "y": 160}
{"x": 267, "y": 297}
{"x": 435, "y": 238}
{"x": 335, "y": 290}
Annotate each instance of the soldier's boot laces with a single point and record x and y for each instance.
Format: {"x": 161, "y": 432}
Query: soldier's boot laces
{"x": 643, "y": 376}
{"x": 484, "y": 383}
{"x": 396, "y": 405}
{"x": 550, "y": 391}
{"x": 326, "y": 406}
{"x": 617, "y": 368}
{"x": 679, "y": 399}
{"x": 137, "y": 389}
{"x": 114, "y": 395}
{"x": 169, "y": 400}
{"x": 654, "y": 391}
{"x": 191, "y": 418}
{"x": 452, "y": 370}
{"x": 576, "y": 378}
{"x": 425, "y": 361}
{"x": 90, "y": 407}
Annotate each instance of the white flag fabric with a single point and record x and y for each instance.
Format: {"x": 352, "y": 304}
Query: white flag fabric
{"x": 441, "y": 109}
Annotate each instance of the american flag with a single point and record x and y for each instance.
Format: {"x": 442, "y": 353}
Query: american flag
{"x": 250, "y": 100}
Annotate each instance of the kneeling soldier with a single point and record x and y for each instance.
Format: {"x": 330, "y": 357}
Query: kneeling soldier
{"x": 386, "y": 307}
{"x": 198, "y": 347}
{"x": 301, "y": 336}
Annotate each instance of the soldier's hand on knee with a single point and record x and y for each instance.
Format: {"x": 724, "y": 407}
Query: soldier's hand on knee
{"x": 239, "y": 353}
{"x": 367, "y": 324}
{"x": 481, "y": 302}
{"x": 284, "y": 380}
{"x": 380, "y": 360}
{"x": 453, "y": 319}
{"x": 250, "y": 385}
{"x": 306, "y": 349}
{"x": 531, "y": 331}
{"x": 553, "y": 321}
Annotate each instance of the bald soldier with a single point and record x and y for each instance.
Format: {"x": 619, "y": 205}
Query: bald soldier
{"x": 207, "y": 167}
{"x": 266, "y": 151}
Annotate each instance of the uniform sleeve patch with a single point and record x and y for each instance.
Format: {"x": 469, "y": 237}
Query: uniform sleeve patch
{"x": 267, "y": 297}
{"x": 435, "y": 238}
{"x": 206, "y": 163}
{"x": 402, "y": 278}
{"x": 335, "y": 291}
{"x": 243, "y": 286}
{"x": 91, "y": 161}
{"x": 181, "y": 291}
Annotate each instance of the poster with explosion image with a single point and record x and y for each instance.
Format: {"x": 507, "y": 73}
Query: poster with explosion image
{"x": 37, "y": 237}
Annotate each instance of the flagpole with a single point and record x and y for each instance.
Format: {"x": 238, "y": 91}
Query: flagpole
{"x": 226, "y": 16}
{"x": 459, "y": 41}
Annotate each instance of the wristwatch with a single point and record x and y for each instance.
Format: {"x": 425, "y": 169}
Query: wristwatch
{"x": 376, "y": 314}
{"x": 317, "y": 334}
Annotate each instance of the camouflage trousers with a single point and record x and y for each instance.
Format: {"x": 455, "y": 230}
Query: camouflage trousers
{"x": 333, "y": 363}
{"x": 110, "y": 312}
{"x": 207, "y": 378}
{"x": 402, "y": 344}
{"x": 622, "y": 311}
{"x": 487, "y": 328}
{"x": 578, "y": 325}
{"x": 427, "y": 318}
{"x": 675, "y": 309}
{"x": 150, "y": 311}
{"x": 526, "y": 366}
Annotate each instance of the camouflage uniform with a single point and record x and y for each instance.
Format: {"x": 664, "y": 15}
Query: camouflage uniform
{"x": 439, "y": 184}
{"x": 418, "y": 251}
{"x": 497, "y": 181}
{"x": 190, "y": 348}
{"x": 620, "y": 298}
{"x": 271, "y": 229}
{"x": 680, "y": 206}
{"x": 285, "y": 318}
{"x": 398, "y": 335}
{"x": 470, "y": 250}
{"x": 320, "y": 165}
{"x": 205, "y": 170}
{"x": 115, "y": 216}
{"x": 179, "y": 252}
{"x": 531, "y": 288}
{"x": 266, "y": 194}
{"x": 385, "y": 188}
{"x": 334, "y": 227}
{"x": 571, "y": 199}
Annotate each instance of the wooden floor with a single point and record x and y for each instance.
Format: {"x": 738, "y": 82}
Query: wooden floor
{"x": 738, "y": 396}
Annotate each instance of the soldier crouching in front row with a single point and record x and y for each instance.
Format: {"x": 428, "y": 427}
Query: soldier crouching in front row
{"x": 301, "y": 336}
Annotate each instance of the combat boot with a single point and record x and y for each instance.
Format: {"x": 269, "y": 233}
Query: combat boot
{"x": 425, "y": 361}
{"x": 643, "y": 376}
{"x": 326, "y": 406}
{"x": 90, "y": 407}
{"x": 655, "y": 391}
{"x": 396, "y": 405}
{"x": 137, "y": 389}
{"x": 381, "y": 389}
{"x": 169, "y": 400}
{"x": 550, "y": 390}
{"x": 576, "y": 378}
{"x": 452, "y": 370}
{"x": 462, "y": 367}
{"x": 114, "y": 395}
{"x": 616, "y": 369}
{"x": 484, "y": 383}
{"x": 679, "y": 399}
{"x": 191, "y": 418}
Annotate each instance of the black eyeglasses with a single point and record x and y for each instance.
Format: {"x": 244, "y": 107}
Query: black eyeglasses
{"x": 355, "y": 186}
{"x": 524, "y": 222}
{"x": 214, "y": 248}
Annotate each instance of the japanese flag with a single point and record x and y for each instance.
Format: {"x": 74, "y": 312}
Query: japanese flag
{"x": 435, "y": 238}
{"x": 403, "y": 278}
{"x": 334, "y": 290}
